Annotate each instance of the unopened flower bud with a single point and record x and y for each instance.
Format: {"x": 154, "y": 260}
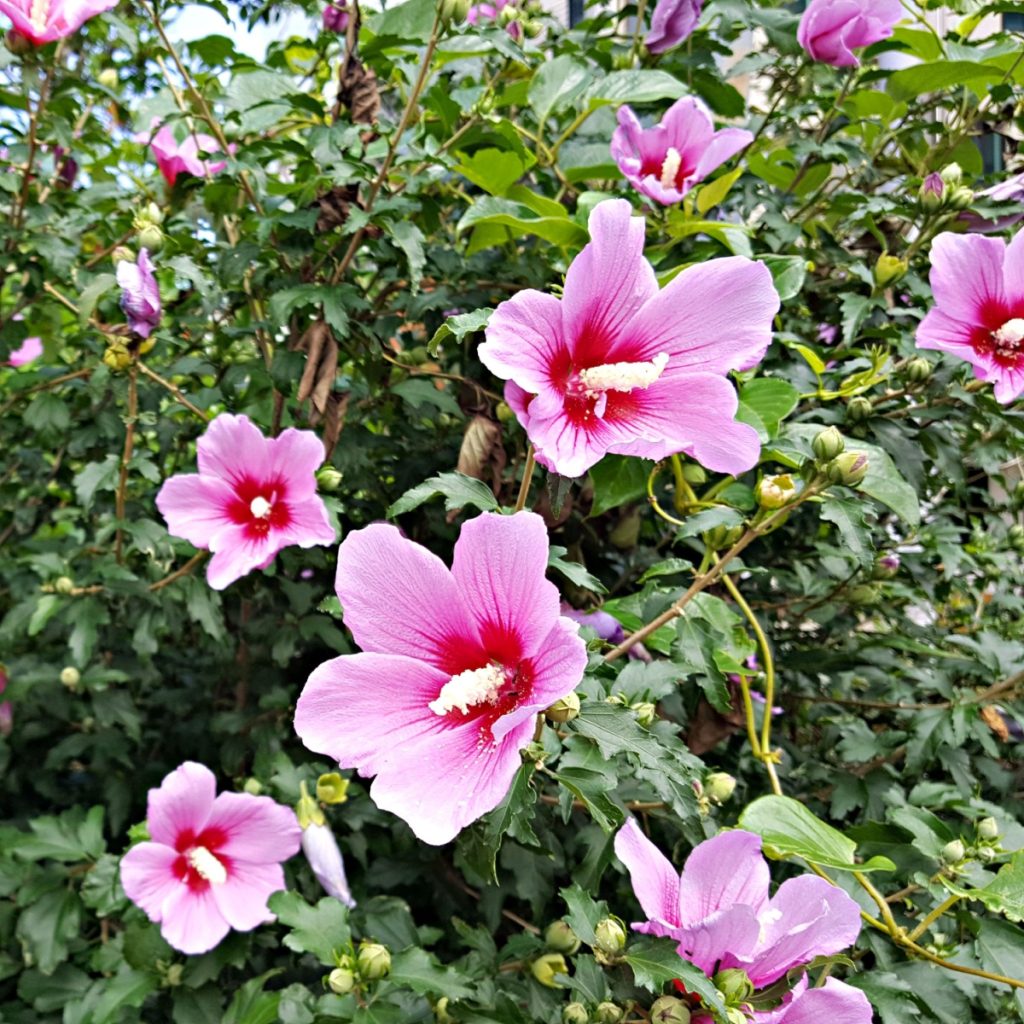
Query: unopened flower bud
{"x": 546, "y": 967}
{"x": 889, "y": 269}
{"x": 646, "y": 713}
{"x": 153, "y": 214}
{"x": 331, "y": 788}
{"x": 575, "y": 1013}
{"x": 64, "y": 584}
{"x": 608, "y": 1013}
{"x": 70, "y": 677}
{"x": 117, "y": 356}
{"x": 504, "y": 413}
{"x": 827, "y": 444}
{"x": 850, "y": 468}
{"x": 933, "y": 192}
{"x": 918, "y": 370}
{"x": 734, "y": 985}
{"x": 252, "y": 786}
{"x": 953, "y": 852}
{"x": 341, "y": 981}
{"x": 887, "y": 565}
{"x": 324, "y": 857}
{"x": 961, "y": 198}
{"x": 564, "y": 710}
{"x": 694, "y": 475}
{"x": 721, "y": 537}
{"x": 609, "y": 938}
{"x": 454, "y": 11}
{"x": 328, "y": 478}
{"x": 863, "y": 593}
{"x": 988, "y": 828}
{"x": 560, "y": 937}
{"x": 122, "y": 254}
{"x": 1015, "y": 535}
{"x": 985, "y": 853}
{"x": 508, "y": 14}
{"x": 859, "y": 409}
{"x": 18, "y": 44}
{"x": 951, "y": 175}
{"x": 108, "y": 78}
{"x": 373, "y": 961}
{"x": 532, "y": 28}
{"x": 441, "y": 1014}
{"x": 719, "y": 786}
{"x": 774, "y": 492}
{"x": 335, "y": 18}
{"x": 669, "y": 1010}
{"x": 151, "y": 237}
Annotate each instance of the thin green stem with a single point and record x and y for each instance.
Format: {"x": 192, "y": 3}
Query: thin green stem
{"x": 928, "y": 921}
{"x": 524, "y": 487}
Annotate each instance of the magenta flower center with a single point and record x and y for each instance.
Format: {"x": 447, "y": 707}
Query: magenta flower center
{"x": 671, "y": 172}
{"x": 260, "y": 507}
{"x": 200, "y": 863}
{"x": 206, "y": 865}
{"x": 587, "y": 391}
{"x": 485, "y": 694}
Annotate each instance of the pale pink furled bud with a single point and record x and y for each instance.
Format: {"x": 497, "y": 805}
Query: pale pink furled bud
{"x": 672, "y": 23}
{"x": 140, "y": 295}
{"x": 324, "y": 857}
{"x": 933, "y": 192}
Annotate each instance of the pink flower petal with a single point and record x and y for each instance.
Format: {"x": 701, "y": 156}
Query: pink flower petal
{"x": 966, "y": 274}
{"x": 27, "y": 352}
{"x": 195, "y": 507}
{"x": 413, "y": 606}
{"x": 722, "y": 938}
{"x": 1013, "y": 271}
{"x": 192, "y": 922}
{"x": 234, "y": 449}
{"x": 242, "y": 899}
{"x": 237, "y": 553}
{"x": 834, "y": 1003}
{"x": 722, "y": 872}
{"x": 724, "y": 146}
{"x": 183, "y": 802}
{"x": 258, "y": 829}
{"x": 308, "y": 526}
{"x": 655, "y": 881}
{"x": 296, "y": 455}
{"x": 148, "y": 878}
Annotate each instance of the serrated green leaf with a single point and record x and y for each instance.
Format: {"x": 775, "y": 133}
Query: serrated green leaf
{"x": 655, "y": 963}
{"x": 319, "y": 929}
{"x": 457, "y": 489}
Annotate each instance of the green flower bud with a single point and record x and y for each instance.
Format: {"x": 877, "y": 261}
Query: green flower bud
{"x": 1018, "y": 492}
{"x": 988, "y": 828}
{"x": 64, "y": 584}
{"x": 153, "y": 213}
{"x": 328, "y": 478}
{"x": 863, "y": 594}
{"x": 532, "y": 28}
{"x": 252, "y": 786}
{"x": 609, "y": 938}
{"x": 889, "y": 269}
{"x": 331, "y": 788}
{"x": 108, "y": 78}
{"x": 545, "y": 967}
{"x": 953, "y": 852}
{"x": 694, "y": 475}
{"x": 172, "y": 975}
{"x": 886, "y": 566}
{"x": 564, "y": 710}
{"x": 719, "y": 786}
{"x": 151, "y": 237}
{"x": 775, "y": 492}
{"x": 122, "y": 254}
{"x": 454, "y": 11}
{"x": 850, "y": 468}
{"x": 961, "y": 198}
{"x": 608, "y": 1013}
{"x": 933, "y": 193}
{"x": 117, "y": 356}
{"x": 859, "y": 409}
{"x": 669, "y": 1010}
{"x": 951, "y": 175}
{"x": 734, "y": 985}
{"x": 504, "y": 413}
{"x": 723, "y": 537}
{"x": 575, "y": 1013}
{"x": 341, "y": 981}
{"x": 441, "y": 1014}
{"x": 70, "y": 677}
{"x": 373, "y": 961}
{"x": 560, "y": 937}
{"x": 646, "y": 713}
{"x": 985, "y": 853}
{"x": 508, "y": 14}
{"x": 918, "y": 370}
{"x": 627, "y": 530}
{"x": 827, "y": 444}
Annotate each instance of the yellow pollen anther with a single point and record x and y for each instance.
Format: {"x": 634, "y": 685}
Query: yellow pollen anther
{"x": 468, "y": 689}
{"x": 207, "y": 866}
{"x": 670, "y": 167}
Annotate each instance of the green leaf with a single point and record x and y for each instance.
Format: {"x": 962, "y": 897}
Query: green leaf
{"x": 937, "y": 75}
{"x": 494, "y": 170}
{"x": 89, "y": 296}
{"x": 712, "y": 194}
{"x": 584, "y": 911}
{"x": 457, "y": 489}
{"x": 637, "y": 86}
{"x": 790, "y": 830}
{"x": 408, "y": 237}
{"x": 592, "y": 789}
{"x": 573, "y": 571}
{"x": 1000, "y": 949}
{"x": 319, "y": 929}
{"x": 47, "y": 927}
{"x": 458, "y": 327}
{"x": 556, "y": 85}
{"x": 420, "y": 971}
{"x": 407, "y": 23}
{"x": 522, "y": 220}
{"x": 618, "y": 479}
{"x": 771, "y": 399}
{"x": 1005, "y": 893}
{"x": 109, "y": 996}
{"x": 251, "y": 1004}
{"x": 788, "y": 273}
{"x": 96, "y": 476}
{"x": 655, "y": 963}
{"x": 74, "y": 836}
{"x": 849, "y": 516}
{"x": 47, "y": 412}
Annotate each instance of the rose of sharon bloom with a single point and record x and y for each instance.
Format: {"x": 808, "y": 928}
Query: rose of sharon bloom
{"x": 482, "y": 13}
{"x": 43, "y": 21}
{"x": 719, "y": 911}
{"x": 140, "y": 294}
{"x": 672, "y": 23}
{"x": 324, "y": 857}
{"x": 455, "y": 668}
{"x": 978, "y": 284}
{"x": 173, "y": 158}
{"x": 335, "y": 18}
{"x": 212, "y": 862}
{"x": 830, "y": 30}
{"x": 252, "y": 497}
{"x": 664, "y": 162}
{"x": 616, "y": 365}
{"x": 27, "y": 352}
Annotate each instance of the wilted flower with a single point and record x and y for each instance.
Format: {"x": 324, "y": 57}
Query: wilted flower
{"x": 719, "y": 911}
{"x": 455, "y": 667}
{"x": 665, "y": 161}
{"x": 252, "y": 497}
{"x": 174, "y": 158}
{"x": 830, "y": 30}
{"x": 617, "y": 365}
{"x": 140, "y": 294}
{"x": 335, "y": 18}
{"x": 672, "y": 23}
{"x": 324, "y": 857}
{"x": 43, "y": 21}
{"x": 213, "y": 861}
{"x": 979, "y": 308}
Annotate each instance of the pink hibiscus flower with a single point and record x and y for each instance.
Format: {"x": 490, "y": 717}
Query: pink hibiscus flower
{"x": 481, "y": 13}
{"x": 140, "y": 294}
{"x": 830, "y": 30}
{"x": 27, "y": 352}
{"x": 978, "y": 315}
{"x": 213, "y": 861}
{"x": 616, "y": 365}
{"x": 173, "y": 158}
{"x": 719, "y": 911}
{"x": 252, "y": 497}
{"x": 455, "y": 668}
{"x": 666, "y": 161}
{"x": 43, "y": 21}
{"x": 672, "y": 22}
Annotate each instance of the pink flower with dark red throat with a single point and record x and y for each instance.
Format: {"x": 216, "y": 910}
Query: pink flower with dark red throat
{"x": 830, "y": 30}
{"x": 43, "y": 21}
{"x": 617, "y": 365}
{"x": 140, "y": 294}
{"x": 174, "y": 158}
{"x": 213, "y": 860}
{"x": 456, "y": 666}
{"x": 978, "y": 284}
{"x": 666, "y": 161}
{"x": 252, "y": 497}
{"x": 720, "y": 912}
{"x": 672, "y": 23}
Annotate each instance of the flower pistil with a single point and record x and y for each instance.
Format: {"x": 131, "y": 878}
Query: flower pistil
{"x": 469, "y": 689}
{"x": 1008, "y": 340}
{"x": 670, "y": 168}
{"x": 207, "y": 866}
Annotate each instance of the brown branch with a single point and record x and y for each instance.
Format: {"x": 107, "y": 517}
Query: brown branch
{"x": 126, "y": 458}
